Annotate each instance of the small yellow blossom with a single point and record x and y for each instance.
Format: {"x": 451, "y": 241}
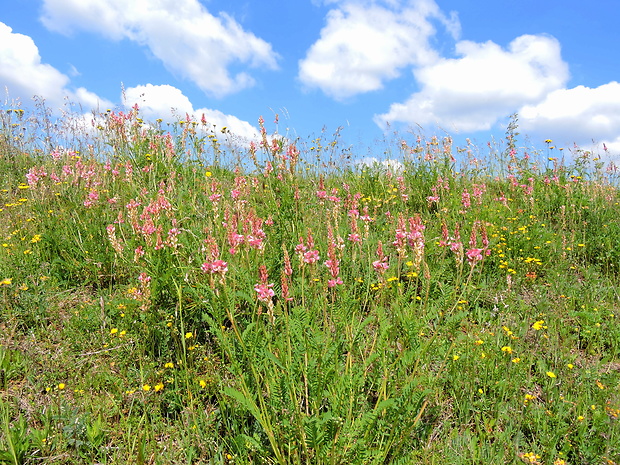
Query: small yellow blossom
{"x": 507, "y": 349}
{"x": 6, "y": 282}
{"x": 203, "y": 383}
{"x": 551, "y": 374}
{"x": 188, "y": 335}
{"x": 146, "y": 387}
{"x": 538, "y": 325}
{"x": 114, "y": 331}
{"x": 61, "y": 386}
{"x": 516, "y": 360}
{"x": 169, "y": 365}
{"x": 158, "y": 387}
{"x": 530, "y": 457}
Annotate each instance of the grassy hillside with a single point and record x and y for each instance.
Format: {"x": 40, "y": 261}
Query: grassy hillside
{"x": 169, "y": 297}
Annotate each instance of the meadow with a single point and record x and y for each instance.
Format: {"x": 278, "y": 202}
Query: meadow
{"x": 168, "y": 296}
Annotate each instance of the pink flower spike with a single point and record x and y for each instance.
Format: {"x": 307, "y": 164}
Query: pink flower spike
{"x": 311, "y": 256}
{"x": 215, "y": 267}
{"x": 264, "y": 292}
{"x": 380, "y": 266}
{"x": 474, "y": 255}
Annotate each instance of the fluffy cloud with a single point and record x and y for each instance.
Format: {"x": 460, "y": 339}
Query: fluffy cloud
{"x": 485, "y": 83}
{"x": 580, "y": 115}
{"x": 161, "y": 101}
{"x": 24, "y": 75}
{"x": 364, "y": 44}
{"x": 190, "y": 42}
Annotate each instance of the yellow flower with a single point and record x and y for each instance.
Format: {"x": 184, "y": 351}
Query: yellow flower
{"x": 538, "y": 325}
{"x": 507, "y": 349}
{"x": 146, "y": 388}
{"x": 114, "y": 331}
{"x": 61, "y": 386}
{"x": 203, "y": 383}
{"x": 208, "y": 174}
{"x": 188, "y": 335}
{"x": 551, "y": 374}
{"x": 36, "y": 238}
{"x": 159, "y": 386}
{"x": 6, "y": 282}
{"x": 516, "y": 360}
{"x": 169, "y": 365}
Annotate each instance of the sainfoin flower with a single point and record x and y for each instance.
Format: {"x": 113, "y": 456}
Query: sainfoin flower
{"x": 264, "y": 292}
{"x": 215, "y": 267}
{"x": 474, "y": 255}
{"x": 380, "y": 266}
{"x": 311, "y": 256}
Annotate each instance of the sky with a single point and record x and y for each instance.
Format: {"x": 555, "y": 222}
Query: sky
{"x": 370, "y": 67}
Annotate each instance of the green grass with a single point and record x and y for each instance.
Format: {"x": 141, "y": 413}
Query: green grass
{"x": 467, "y": 312}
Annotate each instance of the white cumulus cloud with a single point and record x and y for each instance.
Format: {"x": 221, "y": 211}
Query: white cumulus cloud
{"x": 366, "y": 43}
{"x": 190, "y": 42}
{"x": 162, "y": 101}
{"x": 483, "y": 84}
{"x": 577, "y": 115}
{"x": 24, "y": 75}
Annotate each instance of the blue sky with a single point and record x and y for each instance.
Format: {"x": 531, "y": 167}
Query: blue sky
{"x": 459, "y": 67}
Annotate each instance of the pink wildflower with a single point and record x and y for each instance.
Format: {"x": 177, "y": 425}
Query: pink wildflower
{"x": 215, "y": 267}
{"x": 311, "y": 256}
{"x": 355, "y": 237}
{"x": 474, "y": 255}
{"x": 263, "y": 290}
{"x": 138, "y": 253}
{"x": 466, "y": 199}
